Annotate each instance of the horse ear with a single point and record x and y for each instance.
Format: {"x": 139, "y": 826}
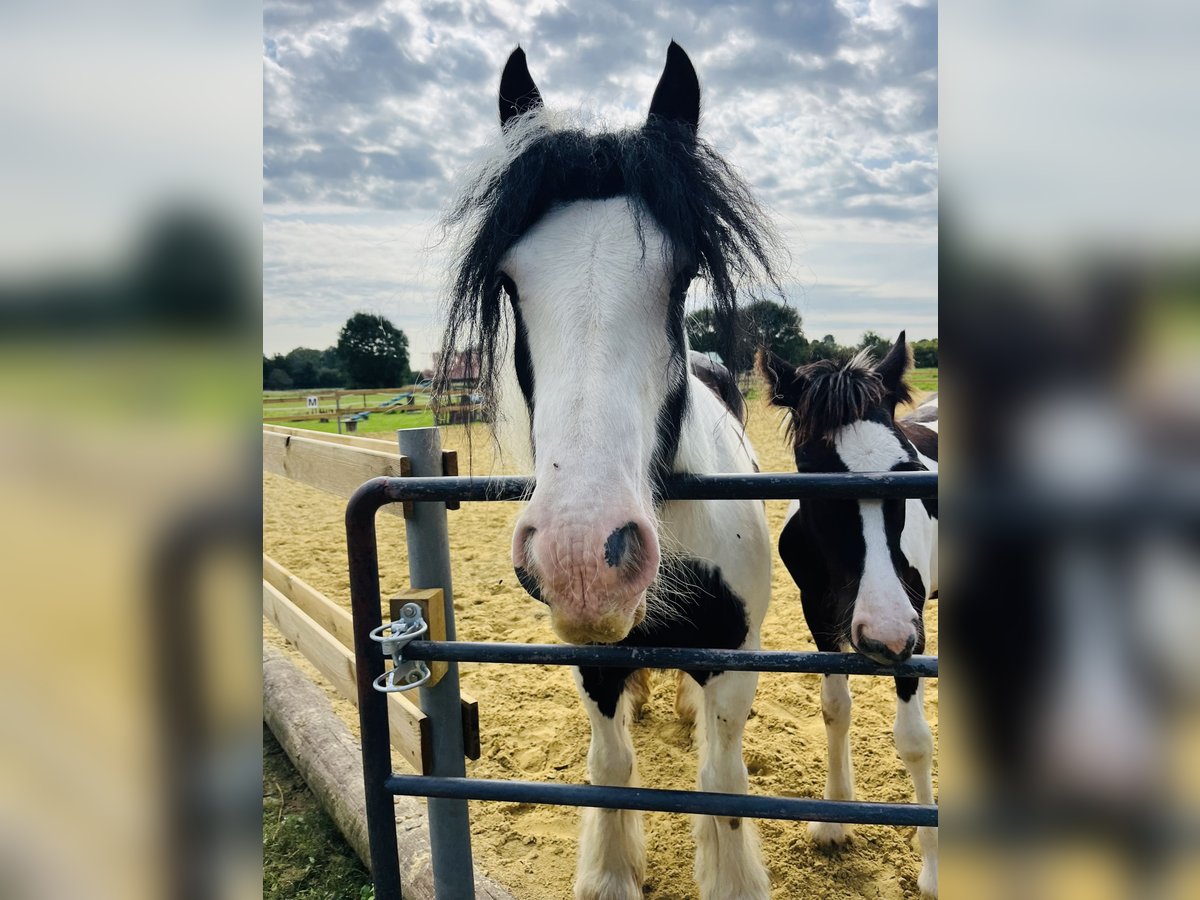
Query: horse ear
{"x": 677, "y": 97}
{"x": 518, "y": 93}
{"x": 893, "y": 367}
{"x": 780, "y": 376}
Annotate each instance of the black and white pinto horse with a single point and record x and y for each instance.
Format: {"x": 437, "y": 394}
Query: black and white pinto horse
{"x": 864, "y": 567}
{"x": 576, "y": 253}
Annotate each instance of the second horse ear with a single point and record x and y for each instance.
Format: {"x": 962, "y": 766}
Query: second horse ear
{"x": 518, "y": 93}
{"x": 893, "y": 367}
{"x": 677, "y": 97}
{"x": 780, "y": 376}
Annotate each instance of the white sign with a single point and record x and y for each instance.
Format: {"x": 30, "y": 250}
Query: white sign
{"x": 311, "y": 402}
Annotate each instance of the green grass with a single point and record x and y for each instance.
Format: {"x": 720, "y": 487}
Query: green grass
{"x": 348, "y": 403}
{"x": 379, "y": 423}
{"x": 924, "y": 379}
{"x": 305, "y": 857}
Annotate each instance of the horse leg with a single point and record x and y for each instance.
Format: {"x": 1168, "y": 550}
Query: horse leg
{"x": 612, "y": 852}
{"x": 914, "y": 743}
{"x": 689, "y": 697}
{"x": 839, "y": 779}
{"x": 728, "y": 858}
{"x": 637, "y": 688}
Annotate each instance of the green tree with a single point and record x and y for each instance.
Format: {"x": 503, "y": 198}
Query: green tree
{"x": 876, "y": 343}
{"x": 763, "y": 323}
{"x": 702, "y": 331}
{"x": 776, "y": 326}
{"x": 925, "y": 354}
{"x": 374, "y": 352}
{"x": 278, "y": 380}
{"x": 302, "y": 365}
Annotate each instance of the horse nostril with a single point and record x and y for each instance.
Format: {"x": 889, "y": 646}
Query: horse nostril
{"x": 521, "y": 545}
{"x": 622, "y": 545}
{"x": 530, "y": 583}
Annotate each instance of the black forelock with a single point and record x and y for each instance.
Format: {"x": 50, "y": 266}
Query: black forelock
{"x": 833, "y": 393}
{"x": 700, "y": 204}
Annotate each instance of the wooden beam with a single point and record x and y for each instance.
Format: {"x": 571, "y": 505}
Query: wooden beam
{"x": 382, "y": 445}
{"x": 321, "y": 747}
{"x": 333, "y": 618}
{"x": 410, "y": 729}
{"x": 326, "y": 466}
{"x": 340, "y": 624}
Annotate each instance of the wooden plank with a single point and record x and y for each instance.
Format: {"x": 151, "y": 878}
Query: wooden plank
{"x": 410, "y": 729}
{"x": 339, "y": 623}
{"x": 326, "y": 466}
{"x": 333, "y": 618}
{"x": 381, "y": 445}
{"x": 352, "y": 440}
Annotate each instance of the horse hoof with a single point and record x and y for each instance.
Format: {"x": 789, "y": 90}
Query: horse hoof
{"x": 829, "y": 834}
{"x": 609, "y": 886}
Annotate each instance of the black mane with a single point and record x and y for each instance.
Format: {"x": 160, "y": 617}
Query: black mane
{"x": 713, "y": 225}
{"x": 833, "y": 393}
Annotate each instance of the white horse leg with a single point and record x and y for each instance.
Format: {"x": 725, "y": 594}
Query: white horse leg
{"x": 839, "y": 781}
{"x": 914, "y": 743}
{"x": 612, "y": 852}
{"x": 728, "y": 858}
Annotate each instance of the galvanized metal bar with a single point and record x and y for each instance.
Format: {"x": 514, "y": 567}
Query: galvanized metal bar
{"x": 685, "y": 658}
{"x": 428, "y": 539}
{"x": 658, "y": 800}
{"x": 372, "y": 706}
{"x": 761, "y": 486}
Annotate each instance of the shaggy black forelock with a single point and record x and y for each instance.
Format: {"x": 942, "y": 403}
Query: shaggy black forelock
{"x": 829, "y": 394}
{"x": 713, "y": 225}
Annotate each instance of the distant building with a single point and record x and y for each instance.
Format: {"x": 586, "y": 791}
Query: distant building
{"x": 463, "y": 369}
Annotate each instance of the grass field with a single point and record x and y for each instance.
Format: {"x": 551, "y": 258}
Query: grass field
{"x": 304, "y": 855}
{"x": 924, "y": 379}
{"x": 379, "y": 423}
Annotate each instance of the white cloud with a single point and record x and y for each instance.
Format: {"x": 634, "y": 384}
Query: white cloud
{"x": 828, "y": 108}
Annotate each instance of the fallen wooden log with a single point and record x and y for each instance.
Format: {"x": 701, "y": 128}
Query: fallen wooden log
{"x": 328, "y": 757}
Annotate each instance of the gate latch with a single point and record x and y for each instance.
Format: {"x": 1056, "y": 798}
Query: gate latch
{"x": 393, "y": 637}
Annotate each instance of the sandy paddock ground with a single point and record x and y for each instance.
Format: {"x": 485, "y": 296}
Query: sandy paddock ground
{"x": 533, "y": 726}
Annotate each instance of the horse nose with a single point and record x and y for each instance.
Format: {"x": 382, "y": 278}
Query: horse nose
{"x": 886, "y": 648}
{"x": 591, "y": 571}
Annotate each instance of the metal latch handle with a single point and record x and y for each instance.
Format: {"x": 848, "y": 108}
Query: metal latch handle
{"x": 393, "y": 637}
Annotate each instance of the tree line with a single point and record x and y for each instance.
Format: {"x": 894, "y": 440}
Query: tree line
{"x": 778, "y": 327}
{"x": 372, "y": 352}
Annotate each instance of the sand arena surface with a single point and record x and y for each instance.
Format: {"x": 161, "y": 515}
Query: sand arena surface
{"x": 533, "y": 726}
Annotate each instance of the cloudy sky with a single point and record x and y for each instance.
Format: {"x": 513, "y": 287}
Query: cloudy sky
{"x": 828, "y": 108}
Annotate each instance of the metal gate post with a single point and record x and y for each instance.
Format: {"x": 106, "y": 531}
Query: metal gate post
{"x": 429, "y": 567}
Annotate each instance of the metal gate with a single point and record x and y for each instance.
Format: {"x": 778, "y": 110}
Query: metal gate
{"x": 426, "y": 495}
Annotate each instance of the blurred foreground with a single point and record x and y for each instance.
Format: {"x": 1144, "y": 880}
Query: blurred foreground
{"x": 1070, "y": 299}
{"x": 129, "y": 336}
